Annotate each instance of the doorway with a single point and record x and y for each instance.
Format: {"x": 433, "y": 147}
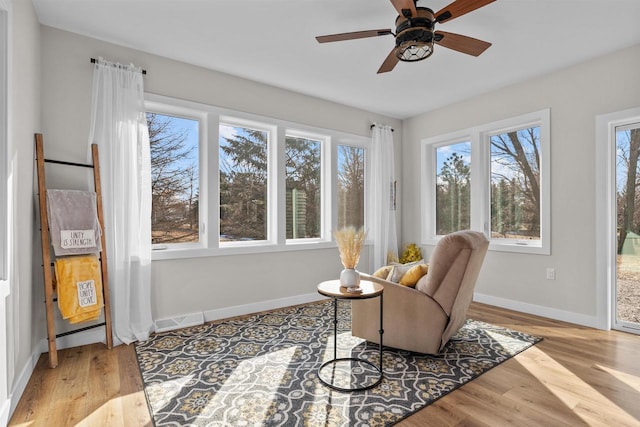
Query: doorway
{"x": 625, "y": 296}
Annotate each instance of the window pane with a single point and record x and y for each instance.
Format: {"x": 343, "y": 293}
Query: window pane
{"x": 174, "y": 178}
{"x": 453, "y": 188}
{"x": 303, "y": 188}
{"x": 515, "y": 184}
{"x": 243, "y": 183}
{"x": 350, "y": 186}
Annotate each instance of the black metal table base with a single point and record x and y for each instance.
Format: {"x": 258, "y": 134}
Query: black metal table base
{"x": 336, "y": 359}
{"x": 354, "y": 359}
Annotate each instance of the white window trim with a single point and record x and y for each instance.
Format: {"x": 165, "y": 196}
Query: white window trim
{"x": 326, "y": 188}
{"x": 209, "y": 244}
{"x": 479, "y": 136}
{"x": 201, "y": 117}
{"x": 6, "y": 199}
{"x": 428, "y": 178}
{"x": 273, "y": 192}
{"x": 4, "y": 141}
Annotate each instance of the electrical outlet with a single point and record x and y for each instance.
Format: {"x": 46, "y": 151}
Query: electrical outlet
{"x": 551, "y": 273}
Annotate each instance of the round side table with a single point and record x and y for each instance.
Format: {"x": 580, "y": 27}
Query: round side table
{"x": 336, "y": 292}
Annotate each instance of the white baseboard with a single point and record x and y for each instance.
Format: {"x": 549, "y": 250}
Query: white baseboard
{"x": 5, "y": 412}
{"x": 77, "y": 339}
{"x": 239, "y": 310}
{"x": 184, "y": 321}
{"x": 20, "y": 383}
{"x": 538, "y": 310}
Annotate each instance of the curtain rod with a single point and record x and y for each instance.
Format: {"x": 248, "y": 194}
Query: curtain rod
{"x": 373, "y": 125}
{"x": 93, "y": 61}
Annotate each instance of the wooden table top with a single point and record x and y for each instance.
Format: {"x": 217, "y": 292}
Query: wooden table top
{"x": 332, "y": 288}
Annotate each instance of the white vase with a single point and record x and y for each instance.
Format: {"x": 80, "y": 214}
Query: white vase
{"x": 349, "y": 278}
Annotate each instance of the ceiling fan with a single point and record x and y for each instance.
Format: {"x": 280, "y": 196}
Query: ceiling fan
{"x": 415, "y": 34}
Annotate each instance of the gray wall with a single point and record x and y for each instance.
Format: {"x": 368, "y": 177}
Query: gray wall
{"x": 183, "y": 286}
{"x": 24, "y": 119}
{"x": 575, "y": 95}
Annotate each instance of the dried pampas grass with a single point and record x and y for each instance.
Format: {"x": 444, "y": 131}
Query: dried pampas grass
{"x": 350, "y": 243}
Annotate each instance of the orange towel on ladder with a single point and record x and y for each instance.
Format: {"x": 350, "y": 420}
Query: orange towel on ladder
{"x": 79, "y": 285}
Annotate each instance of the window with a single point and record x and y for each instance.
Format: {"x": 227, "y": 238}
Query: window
{"x": 453, "y": 187}
{"x": 493, "y": 178}
{"x": 226, "y": 182}
{"x": 174, "y": 142}
{"x": 351, "y": 172}
{"x": 303, "y": 185}
{"x": 243, "y": 183}
{"x": 515, "y": 184}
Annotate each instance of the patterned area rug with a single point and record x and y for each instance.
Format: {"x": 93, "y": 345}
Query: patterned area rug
{"x": 261, "y": 370}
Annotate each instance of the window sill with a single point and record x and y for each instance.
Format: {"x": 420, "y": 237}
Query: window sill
{"x": 518, "y": 246}
{"x": 522, "y": 247}
{"x": 191, "y": 252}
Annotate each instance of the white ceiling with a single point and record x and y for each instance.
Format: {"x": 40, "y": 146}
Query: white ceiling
{"x": 272, "y": 41}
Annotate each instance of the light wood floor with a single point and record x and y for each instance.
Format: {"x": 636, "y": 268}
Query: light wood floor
{"x": 576, "y": 377}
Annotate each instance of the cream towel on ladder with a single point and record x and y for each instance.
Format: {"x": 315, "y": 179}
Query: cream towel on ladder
{"x": 73, "y": 222}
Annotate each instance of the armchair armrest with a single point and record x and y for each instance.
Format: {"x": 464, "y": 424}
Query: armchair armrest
{"x": 406, "y": 292}
{"x": 419, "y": 328}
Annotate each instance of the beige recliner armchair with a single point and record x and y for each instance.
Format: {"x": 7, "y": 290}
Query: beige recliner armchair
{"x": 424, "y": 319}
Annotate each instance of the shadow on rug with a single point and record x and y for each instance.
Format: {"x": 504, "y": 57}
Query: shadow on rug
{"x": 262, "y": 370}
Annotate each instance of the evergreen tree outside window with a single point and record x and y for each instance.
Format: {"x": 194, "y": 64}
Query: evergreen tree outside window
{"x": 453, "y": 188}
{"x": 221, "y": 178}
{"x": 243, "y": 183}
{"x": 303, "y": 187}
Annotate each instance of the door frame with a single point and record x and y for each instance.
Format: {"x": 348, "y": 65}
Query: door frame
{"x": 606, "y": 221}
{"x": 6, "y": 351}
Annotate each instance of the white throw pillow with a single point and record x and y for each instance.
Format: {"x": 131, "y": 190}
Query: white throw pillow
{"x": 399, "y": 270}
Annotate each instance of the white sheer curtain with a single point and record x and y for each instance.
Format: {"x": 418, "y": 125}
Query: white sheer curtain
{"x": 119, "y": 127}
{"x": 382, "y": 179}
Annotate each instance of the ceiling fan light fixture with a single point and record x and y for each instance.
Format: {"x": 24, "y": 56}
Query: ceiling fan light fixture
{"x": 414, "y": 36}
{"x": 411, "y": 50}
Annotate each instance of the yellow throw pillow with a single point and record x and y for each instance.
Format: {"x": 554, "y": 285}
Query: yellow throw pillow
{"x": 383, "y": 272}
{"x": 414, "y": 274}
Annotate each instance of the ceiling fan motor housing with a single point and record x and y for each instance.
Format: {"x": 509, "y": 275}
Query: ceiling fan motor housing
{"x": 414, "y": 36}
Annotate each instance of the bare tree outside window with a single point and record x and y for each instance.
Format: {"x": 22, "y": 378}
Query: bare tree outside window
{"x": 515, "y": 184}
{"x": 350, "y": 186}
{"x": 628, "y": 151}
{"x": 174, "y": 178}
{"x": 628, "y": 223}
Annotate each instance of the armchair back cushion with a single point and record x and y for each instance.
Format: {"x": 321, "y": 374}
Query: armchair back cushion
{"x": 454, "y": 267}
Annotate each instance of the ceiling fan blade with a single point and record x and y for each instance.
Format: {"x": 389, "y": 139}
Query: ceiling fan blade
{"x": 459, "y": 8}
{"x": 352, "y": 35}
{"x": 389, "y": 63}
{"x": 402, "y": 6}
{"x": 461, "y": 43}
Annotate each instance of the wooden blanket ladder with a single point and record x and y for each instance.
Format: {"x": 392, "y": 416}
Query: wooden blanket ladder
{"x": 47, "y": 255}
